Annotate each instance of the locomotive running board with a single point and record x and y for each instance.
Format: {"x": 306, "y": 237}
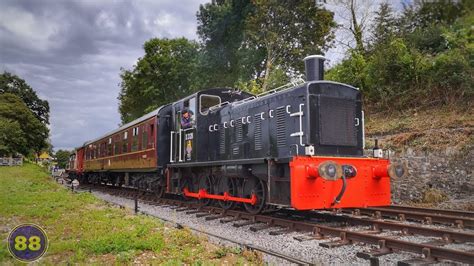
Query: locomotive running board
{"x": 202, "y": 194}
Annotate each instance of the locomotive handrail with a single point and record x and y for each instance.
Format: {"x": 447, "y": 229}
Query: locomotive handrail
{"x": 171, "y": 148}
{"x": 299, "y": 133}
{"x": 363, "y": 130}
{"x": 180, "y": 145}
{"x": 289, "y": 85}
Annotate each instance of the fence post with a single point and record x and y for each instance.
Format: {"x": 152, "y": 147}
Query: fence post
{"x": 136, "y": 203}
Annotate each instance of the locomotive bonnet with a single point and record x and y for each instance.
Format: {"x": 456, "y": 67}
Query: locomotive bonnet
{"x": 298, "y": 146}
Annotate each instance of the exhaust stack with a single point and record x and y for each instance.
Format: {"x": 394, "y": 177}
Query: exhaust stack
{"x": 314, "y": 67}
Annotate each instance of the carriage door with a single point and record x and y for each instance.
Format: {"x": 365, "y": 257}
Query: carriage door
{"x": 184, "y": 131}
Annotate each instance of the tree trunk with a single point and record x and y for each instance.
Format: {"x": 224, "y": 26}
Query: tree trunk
{"x": 357, "y": 31}
{"x": 268, "y": 66}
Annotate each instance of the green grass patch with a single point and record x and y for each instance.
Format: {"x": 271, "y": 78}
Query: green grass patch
{"x": 84, "y": 229}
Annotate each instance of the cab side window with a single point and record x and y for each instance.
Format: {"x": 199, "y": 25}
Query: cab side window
{"x": 206, "y": 102}
{"x": 187, "y": 115}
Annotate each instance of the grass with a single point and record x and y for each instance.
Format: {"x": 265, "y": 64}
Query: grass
{"x": 84, "y": 229}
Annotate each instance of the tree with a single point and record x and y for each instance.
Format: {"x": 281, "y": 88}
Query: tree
{"x": 384, "y": 27}
{"x": 289, "y": 31}
{"x": 62, "y": 157}
{"x": 36, "y": 133}
{"x": 13, "y": 84}
{"x": 226, "y": 58}
{"x": 163, "y": 75}
{"x": 12, "y": 138}
{"x": 356, "y": 16}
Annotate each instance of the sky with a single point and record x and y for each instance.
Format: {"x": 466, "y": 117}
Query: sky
{"x": 71, "y": 52}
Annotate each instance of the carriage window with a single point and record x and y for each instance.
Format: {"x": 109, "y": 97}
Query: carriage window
{"x": 207, "y": 101}
{"x": 144, "y": 139}
{"x": 152, "y": 137}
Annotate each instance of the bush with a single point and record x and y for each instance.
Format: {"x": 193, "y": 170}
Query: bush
{"x": 352, "y": 71}
{"x": 451, "y": 76}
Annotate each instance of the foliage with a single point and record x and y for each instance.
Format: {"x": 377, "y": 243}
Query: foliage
{"x": 164, "y": 74}
{"x": 10, "y": 83}
{"x": 84, "y": 230}
{"x": 226, "y": 56}
{"x": 35, "y": 133}
{"x": 384, "y": 27}
{"x": 62, "y": 157}
{"x": 12, "y": 138}
{"x": 289, "y": 31}
{"x": 422, "y": 58}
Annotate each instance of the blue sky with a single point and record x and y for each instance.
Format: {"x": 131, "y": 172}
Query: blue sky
{"x": 71, "y": 53}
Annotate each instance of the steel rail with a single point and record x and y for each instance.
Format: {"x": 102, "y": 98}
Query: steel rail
{"x": 446, "y": 235}
{"x": 467, "y": 214}
{"x": 414, "y": 215}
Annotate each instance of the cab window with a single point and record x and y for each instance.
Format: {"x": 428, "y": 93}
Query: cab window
{"x": 207, "y": 101}
{"x": 187, "y": 115}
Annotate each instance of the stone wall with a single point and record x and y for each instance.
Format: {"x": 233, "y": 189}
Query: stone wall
{"x": 448, "y": 171}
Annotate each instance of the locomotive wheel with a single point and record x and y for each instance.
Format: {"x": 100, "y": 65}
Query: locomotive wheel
{"x": 205, "y": 182}
{"x": 255, "y": 186}
{"x": 228, "y": 185}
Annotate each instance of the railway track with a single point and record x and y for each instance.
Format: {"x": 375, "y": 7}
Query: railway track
{"x": 459, "y": 219}
{"x": 313, "y": 226}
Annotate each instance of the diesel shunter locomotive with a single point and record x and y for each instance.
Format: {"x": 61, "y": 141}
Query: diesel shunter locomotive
{"x": 299, "y": 146}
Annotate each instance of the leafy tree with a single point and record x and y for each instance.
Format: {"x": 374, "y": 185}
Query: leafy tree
{"x": 12, "y": 138}
{"x": 36, "y": 133}
{"x": 62, "y": 157}
{"x": 226, "y": 55}
{"x": 13, "y": 84}
{"x": 289, "y": 31}
{"x": 163, "y": 75}
{"x": 352, "y": 70}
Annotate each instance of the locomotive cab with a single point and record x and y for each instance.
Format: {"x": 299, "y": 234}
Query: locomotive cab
{"x": 190, "y": 116}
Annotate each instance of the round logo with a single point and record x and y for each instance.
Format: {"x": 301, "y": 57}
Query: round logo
{"x": 27, "y": 242}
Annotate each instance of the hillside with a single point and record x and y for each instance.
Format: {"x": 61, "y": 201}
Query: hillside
{"x": 434, "y": 129}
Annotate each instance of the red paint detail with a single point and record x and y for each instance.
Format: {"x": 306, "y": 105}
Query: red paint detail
{"x": 312, "y": 171}
{"x": 202, "y": 194}
{"x": 380, "y": 171}
{"x": 365, "y": 189}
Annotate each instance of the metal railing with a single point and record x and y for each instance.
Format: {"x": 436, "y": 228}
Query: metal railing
{"x": 289, "y": 85}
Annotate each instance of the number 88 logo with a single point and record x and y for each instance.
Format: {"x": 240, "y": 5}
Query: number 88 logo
{"x": 21, "y": 243}
{"x": 27, "y": 242}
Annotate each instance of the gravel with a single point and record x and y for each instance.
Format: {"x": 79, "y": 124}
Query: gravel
{"x": 308, "y": 251}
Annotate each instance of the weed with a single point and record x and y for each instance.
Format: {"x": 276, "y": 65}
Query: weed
{"x": 433, "y": 195}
